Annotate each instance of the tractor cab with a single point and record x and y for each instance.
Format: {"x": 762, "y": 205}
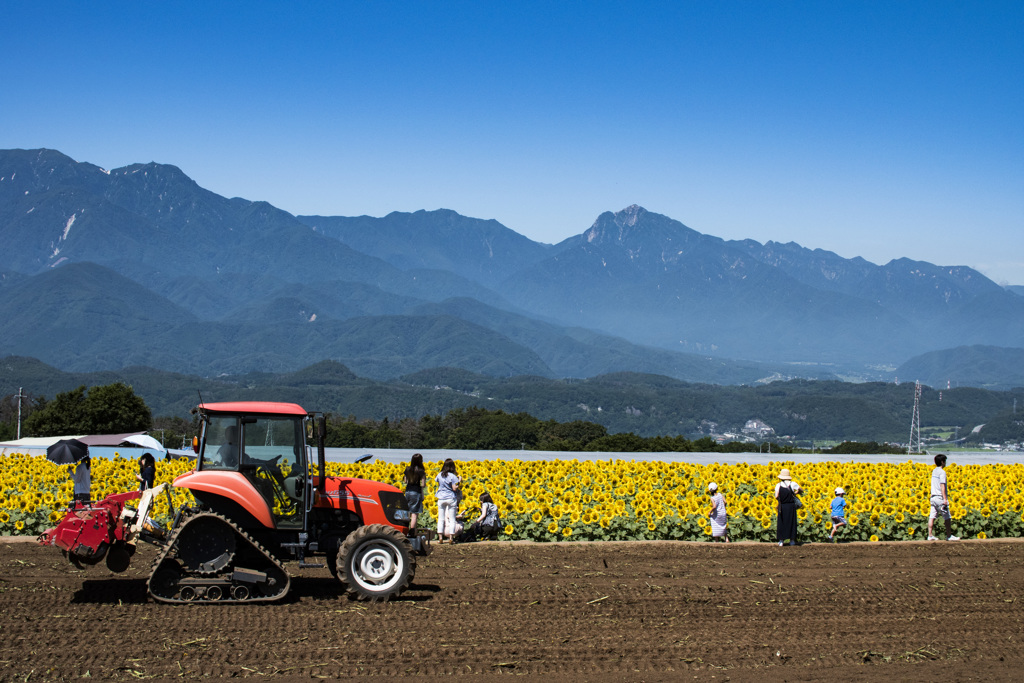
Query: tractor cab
{"x": 266, "y": 445}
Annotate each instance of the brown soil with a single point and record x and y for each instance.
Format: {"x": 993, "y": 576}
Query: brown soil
{"x": 571, "y": 611}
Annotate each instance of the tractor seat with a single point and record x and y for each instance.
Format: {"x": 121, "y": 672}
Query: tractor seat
{"x": 293, "y": 488}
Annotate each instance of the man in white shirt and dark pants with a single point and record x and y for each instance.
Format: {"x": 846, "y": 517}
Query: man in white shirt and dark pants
{"x": 940, "y": 499}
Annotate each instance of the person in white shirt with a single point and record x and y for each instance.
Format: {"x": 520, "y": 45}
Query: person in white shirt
{"x": 940, "y": 500}
{"x": 447, "y": 501}
{"x": 717, "y": 514}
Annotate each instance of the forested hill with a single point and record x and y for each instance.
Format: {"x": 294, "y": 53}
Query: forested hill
{"x": 645, "y": 405}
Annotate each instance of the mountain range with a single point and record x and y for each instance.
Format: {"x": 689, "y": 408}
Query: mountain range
{"x": 140, "y": 266}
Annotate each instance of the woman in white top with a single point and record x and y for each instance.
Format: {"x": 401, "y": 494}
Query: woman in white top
{"x": 447, "y": 500}
{"x": 717, "y": 514}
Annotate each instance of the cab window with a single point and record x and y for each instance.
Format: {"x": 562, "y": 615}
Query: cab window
{"x": 222, "y": 440}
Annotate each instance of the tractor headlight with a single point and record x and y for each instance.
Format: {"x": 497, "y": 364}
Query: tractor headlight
{"x": 396, "y": 509}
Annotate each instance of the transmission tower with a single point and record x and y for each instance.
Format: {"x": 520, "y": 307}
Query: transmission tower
{"x": 21, "y": 395}
{"x": 915, "y": 422}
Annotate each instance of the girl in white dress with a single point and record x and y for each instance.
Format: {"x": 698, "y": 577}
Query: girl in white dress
{"x": 717, "y": 514}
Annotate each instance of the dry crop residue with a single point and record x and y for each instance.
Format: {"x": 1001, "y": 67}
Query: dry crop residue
{"x": 568, "y": 611}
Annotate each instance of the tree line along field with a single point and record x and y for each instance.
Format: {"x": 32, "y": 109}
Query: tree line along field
{"x": 116, "y": 408}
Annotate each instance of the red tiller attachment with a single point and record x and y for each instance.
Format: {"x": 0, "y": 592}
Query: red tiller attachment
{"x": 88, "y": 531}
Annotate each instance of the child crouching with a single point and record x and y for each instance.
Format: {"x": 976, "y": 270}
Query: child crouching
{"x": 838, "y": 513}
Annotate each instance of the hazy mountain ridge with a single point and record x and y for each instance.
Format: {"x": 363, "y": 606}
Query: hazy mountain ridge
{"x": 675, "y": 288}
{"x": 255, "y": 287}
{"x": 989, "y": 367}
{"x": 481, "y": 250}
{"x": 578, "y": 352}
{"x": 151, "y": 222}
{"x": 693, "y": 292}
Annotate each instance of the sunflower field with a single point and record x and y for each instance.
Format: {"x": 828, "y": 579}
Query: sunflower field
{"x": 34, "y": 492}
{"x": 563, "y": 500}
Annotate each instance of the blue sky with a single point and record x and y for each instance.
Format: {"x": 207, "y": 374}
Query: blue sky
{"x": 873, "y": 129}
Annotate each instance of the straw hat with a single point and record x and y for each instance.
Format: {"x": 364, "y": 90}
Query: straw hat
{"x": 784, "y": 474}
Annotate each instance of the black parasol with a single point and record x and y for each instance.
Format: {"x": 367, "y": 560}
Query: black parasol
{"x": 67, "y": 451}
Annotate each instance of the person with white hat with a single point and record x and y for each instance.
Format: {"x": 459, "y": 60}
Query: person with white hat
{"x": 940, "y": 500}
{"x": 838, "y": 512}
{"x": 785, "y": 529}
{"x": 717, "y": 514}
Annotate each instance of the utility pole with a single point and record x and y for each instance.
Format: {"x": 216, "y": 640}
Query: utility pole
{"x": 20, "y": 396}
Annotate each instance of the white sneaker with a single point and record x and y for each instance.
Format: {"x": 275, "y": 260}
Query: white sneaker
{"x": 953, "y": 538}
{"x": 933, "y": 538}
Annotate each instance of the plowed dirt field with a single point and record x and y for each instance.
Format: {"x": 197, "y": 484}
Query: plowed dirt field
{"x": 558, "y": 612}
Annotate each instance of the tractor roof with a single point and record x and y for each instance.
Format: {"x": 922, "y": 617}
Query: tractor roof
{"x": 253, "y": 408}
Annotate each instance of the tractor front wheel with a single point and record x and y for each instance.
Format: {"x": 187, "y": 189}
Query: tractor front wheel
{"x": 375, "y": 562}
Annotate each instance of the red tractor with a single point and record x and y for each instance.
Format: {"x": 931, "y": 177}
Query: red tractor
{"x": 258, "y": 505}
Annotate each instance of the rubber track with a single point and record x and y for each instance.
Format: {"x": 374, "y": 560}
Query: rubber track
{"x": 227, "y": 598}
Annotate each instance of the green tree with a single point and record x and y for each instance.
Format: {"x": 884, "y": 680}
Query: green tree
{"x": 387, "y": 436}
{"x": 348, "y": 434}
{"x": 174, "y": 431}
{"x": 64, "y": 415}
{"x": 620, "y": 443}
{"x": 109, "y": 409}
{"x": 705, "y": 444}
{"x": 433, "y": 433}
{"x": 669, "y": 444}
{"x": 9, "y": 414}
{"x": 496, "y": 431}
{"x": 578, "y": 433}
{"x": 870, "y": 447}
{"x": 115, "y": 408}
